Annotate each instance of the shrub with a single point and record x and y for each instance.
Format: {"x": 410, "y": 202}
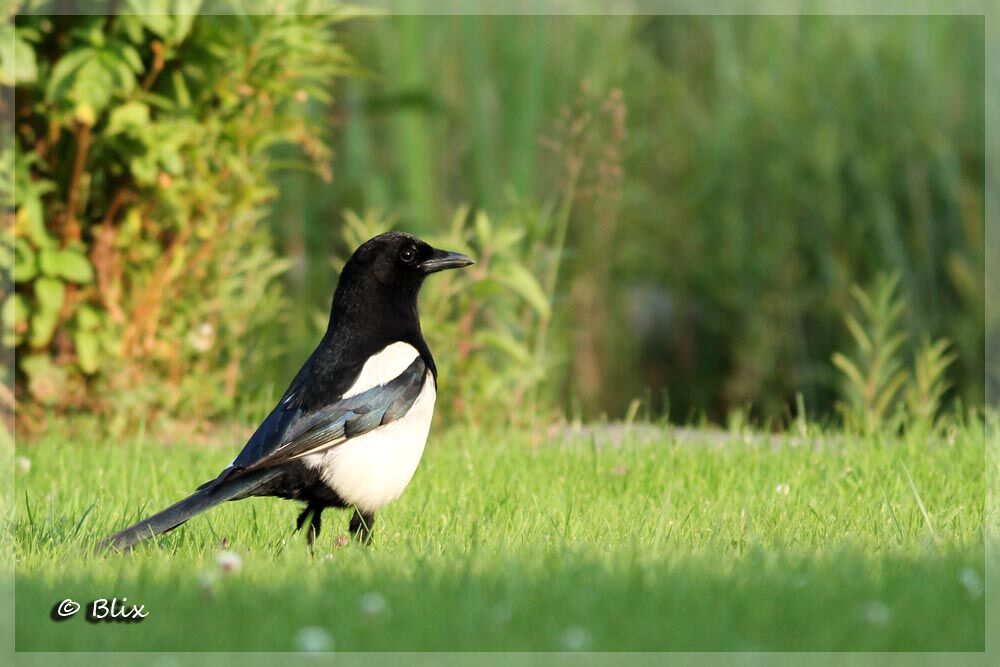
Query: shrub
{"x": 142, "y": 165}
{"x": 877, "y": 391}
{"x": 875, "y": 377}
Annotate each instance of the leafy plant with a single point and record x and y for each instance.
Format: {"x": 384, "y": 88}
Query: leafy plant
{"x": 873, "y": 378}
{"x": 143, "y": 168}
{"x": 930, "y": 382}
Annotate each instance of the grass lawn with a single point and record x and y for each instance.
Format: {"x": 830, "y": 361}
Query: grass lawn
{"x": 514, "y": 542}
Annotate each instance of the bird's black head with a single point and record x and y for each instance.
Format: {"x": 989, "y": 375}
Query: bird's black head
{"x": 402, "y": 260}
{"x": 380, "y": 282}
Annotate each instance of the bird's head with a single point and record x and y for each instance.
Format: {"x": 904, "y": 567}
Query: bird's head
{"x": 399, "y": 259}
{"x": 385, "y": 273}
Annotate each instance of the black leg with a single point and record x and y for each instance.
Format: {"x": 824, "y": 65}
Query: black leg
{"x": 314, "y": 527}
{"x": 361, "y": 526}
{"x": 299, "y": 522}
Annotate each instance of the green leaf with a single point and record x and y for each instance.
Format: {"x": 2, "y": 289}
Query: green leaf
{"x": 25, "y": 261}
{"x": 45, "y": 379}
{"x": 171, "y": 162}
{"x": 131, "y": 225}
{"x": 87, "y": 353}
{"x": 93, "y": 84}
{"x": 88, "y": 318}
{"x": 129, "y": 117}
{"x": 43, "y": 326}
{"x": 159, "y": 25}
{"x": 17, "y": 58}
{"x": 184, "y": 12}
{"x": 131, "y": 57}
{"x": 521, "y": 281}
{"x": 14, "y": 311}
{"x": 849, "y": 369}
{"x": 31, "y": 218}
{"x": 181, "y": 91}
{"x": 61, "y": 77}
{"x": 50, "y": 293}
{"x": 143, "y": 168}
{"x": 505, "y": 343}
{"x": 66, "y": 263}
{"x": 484, "y": 230}
{"x": 170, "y": 21}
{"x": 110, "y": 342}
{"x": 858, "y": 333}
{"x": 486, "y": 288}
{"x": 132, "y": 27}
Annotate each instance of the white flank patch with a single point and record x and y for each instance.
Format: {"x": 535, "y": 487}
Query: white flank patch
{"x": 383, "y": 367}
{"x": 371, "y": 470}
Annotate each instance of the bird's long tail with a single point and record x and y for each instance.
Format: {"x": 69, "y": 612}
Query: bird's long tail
{"x": 205, "y": 498}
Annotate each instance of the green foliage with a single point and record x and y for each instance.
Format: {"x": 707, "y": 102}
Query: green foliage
{"x": 930, "y": 379}
{"x": 488, "y": 324}
{"x": 711, "y": 188}
{"x": 874, "y": 381}
{"x": 794, "y": 172}
{"x": 769, "y": 164}
{"x": 143, "y": 168}
{"x": 874, "y": 378}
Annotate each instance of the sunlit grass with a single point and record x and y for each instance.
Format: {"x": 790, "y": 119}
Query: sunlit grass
{"x": 518, "y": 541}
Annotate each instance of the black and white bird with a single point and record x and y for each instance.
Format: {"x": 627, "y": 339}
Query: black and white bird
{"x": 351, "y": 428}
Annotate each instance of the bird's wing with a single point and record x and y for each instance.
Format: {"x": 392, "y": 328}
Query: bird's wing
{"x": 290, "y": 433}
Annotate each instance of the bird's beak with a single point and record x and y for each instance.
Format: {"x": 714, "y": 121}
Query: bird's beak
{"x": 442, "y": 259}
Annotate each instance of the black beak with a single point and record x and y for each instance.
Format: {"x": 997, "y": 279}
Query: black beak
{"x": 442, "y": 259}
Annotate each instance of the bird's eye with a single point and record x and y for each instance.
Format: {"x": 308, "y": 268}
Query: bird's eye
{"x": 407, "y": 255}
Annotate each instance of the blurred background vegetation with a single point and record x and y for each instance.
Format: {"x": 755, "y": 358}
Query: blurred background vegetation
{"x": 671, "y": 213}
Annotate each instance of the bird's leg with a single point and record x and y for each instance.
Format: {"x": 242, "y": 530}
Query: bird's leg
{"x": 361, "y": 526}
{"x": 300, "y": 521}
{"x": 315, "y": 525}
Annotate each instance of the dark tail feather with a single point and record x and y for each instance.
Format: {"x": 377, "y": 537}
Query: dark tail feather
{"x": 207, "y": 497}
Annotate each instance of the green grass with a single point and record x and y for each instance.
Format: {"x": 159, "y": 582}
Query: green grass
{"x": 525, "y": 541}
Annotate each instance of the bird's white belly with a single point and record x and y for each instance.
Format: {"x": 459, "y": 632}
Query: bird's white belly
{"x": 371, "y": 470}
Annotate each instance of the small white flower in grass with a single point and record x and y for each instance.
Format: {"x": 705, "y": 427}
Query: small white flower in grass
{"x": 971, "y": 582}
{"x": 313, "y": 639}
{"x": 782, "y": 489}
{"x": 202, "y": 338}
{"x": 877, "y": 612}
{"x": 575, "y": 638}
{"x": 229, "y": 561}
{"x": 373, "y": 604}
{"x": 206, "y": 580}
{"x": 23, "y": 465}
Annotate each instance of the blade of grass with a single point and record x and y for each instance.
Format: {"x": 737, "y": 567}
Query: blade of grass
{"x": 920, "y": 503}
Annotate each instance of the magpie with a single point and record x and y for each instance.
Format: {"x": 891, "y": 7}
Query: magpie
{"x": 350, "y": 429}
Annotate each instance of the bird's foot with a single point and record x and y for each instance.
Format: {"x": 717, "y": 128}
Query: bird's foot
{"x": 314, "y": 525}
{"x": 362, "y": 525}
